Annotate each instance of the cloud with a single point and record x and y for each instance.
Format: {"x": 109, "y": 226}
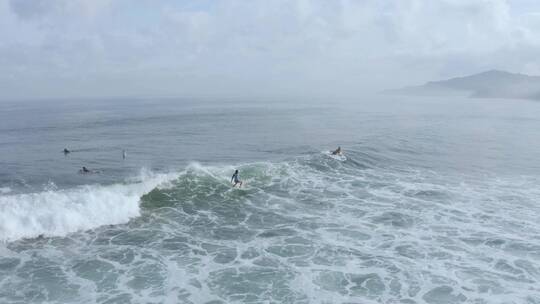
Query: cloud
{"x": 255, "y": 48}
{"x": 28, "y": 9}
{"x": 39, "y": 9}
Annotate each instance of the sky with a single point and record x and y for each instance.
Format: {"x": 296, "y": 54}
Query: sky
{"x": 256, "y": 48}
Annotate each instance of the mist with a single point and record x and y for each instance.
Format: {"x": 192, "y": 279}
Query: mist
{"x": 256, "y": 49}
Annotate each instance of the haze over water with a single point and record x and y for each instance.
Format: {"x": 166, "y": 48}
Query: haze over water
{"x": 436, "y": 201}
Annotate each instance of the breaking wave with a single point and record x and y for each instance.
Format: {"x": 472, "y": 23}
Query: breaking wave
{"x": 317, "y": 228}
{"x": 59, "y": 212}
{"x": 54, "y": 212}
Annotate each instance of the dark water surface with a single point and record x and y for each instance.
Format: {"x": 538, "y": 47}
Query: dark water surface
{"x": 437, "y": 201}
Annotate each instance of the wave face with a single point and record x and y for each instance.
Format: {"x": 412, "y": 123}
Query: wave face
{"x": 59, "y": 212}
{"x": 312, "y": 229}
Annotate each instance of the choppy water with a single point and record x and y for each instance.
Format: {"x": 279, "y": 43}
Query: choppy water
{"x": 436, "y": 202}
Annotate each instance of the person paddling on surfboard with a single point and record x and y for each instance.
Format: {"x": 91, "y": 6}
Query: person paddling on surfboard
{"x": 235, "y": 179}
{"x": 337, "y": 151}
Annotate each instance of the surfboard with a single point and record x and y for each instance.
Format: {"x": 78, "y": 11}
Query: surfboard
{"x": 336, "y": 157}
{"x": 244, "y": 186}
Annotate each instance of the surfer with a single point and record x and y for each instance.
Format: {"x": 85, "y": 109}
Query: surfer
{"x": 66, "y": 151}
{"x": 337, "y": 151}
{"x": 235, "y": 179}
{"x": 85, "y": 170}
{"x": 124, "y": 154}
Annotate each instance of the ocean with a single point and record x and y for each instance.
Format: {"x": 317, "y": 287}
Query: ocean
{"x": 436, "y": 200}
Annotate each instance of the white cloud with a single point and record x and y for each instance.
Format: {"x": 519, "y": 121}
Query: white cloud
{"x": 255, "y": 48}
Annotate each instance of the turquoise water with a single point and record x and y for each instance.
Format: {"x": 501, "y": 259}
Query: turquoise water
{"x": 435, "y": 202}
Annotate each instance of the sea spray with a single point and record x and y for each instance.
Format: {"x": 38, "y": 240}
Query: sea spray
{"x": 59, "y": 212}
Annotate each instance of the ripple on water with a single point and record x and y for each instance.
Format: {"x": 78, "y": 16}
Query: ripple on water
{"x": 410, "y": 251}
{"x": 276, "y": 232}
{"x": 175, "y": 245}
{"x": 250, "y": 253}
{"x": 503, "y": 265}
{"x": 394, "y": 219}
{"x": 9, "y": 264}
{"x": 93, "y": 270}
{"x": 291, "y": 250}
{"x": 250, "y": 284}
{"x": 430, "y": 195}
{"x": 350, "y": 234}
{"x": 137, "y": 237}
{"x": 121, "y": 256}
{"x": 443, "y": 295}
{"x": 45, "y": 281}
{"x": 351, "y": 284}
{"x": 225, "y": 256}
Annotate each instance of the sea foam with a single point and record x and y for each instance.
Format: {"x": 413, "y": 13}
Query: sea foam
{"x": 59, "y": 212}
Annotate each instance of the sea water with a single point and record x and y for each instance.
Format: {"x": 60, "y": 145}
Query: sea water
{"x": 437, "y": 200}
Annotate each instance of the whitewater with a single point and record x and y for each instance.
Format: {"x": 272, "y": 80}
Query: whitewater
{"x": 435, "y": 201}
{"x": 59, "y": 212}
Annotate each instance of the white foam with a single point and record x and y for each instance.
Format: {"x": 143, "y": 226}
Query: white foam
{"x": 5, "y": 190}
{"x": 338, "y": 157}
{"x": 59, "y": 212}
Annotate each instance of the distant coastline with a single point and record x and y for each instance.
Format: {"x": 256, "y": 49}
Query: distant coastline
{"x": 489, "y": 84}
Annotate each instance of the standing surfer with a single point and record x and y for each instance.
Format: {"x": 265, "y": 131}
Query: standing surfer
{"x": 235, "y": 179}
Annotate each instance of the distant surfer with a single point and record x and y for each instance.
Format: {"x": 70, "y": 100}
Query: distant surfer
{"x": 66, "y": 151}
{"x": 124, "y": 154}
{"x": 84, "y": 170}
{"x": 337, "y": 151}
{"x": 236, "y": 180}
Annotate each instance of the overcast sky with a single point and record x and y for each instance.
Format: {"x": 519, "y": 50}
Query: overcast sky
{"x": 256, "y": 48}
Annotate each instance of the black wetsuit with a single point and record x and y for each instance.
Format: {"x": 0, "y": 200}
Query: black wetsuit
{"x": 235, "y": 178}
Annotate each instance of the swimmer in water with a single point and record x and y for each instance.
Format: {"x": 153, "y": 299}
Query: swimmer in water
{"x": 337, "y": 151}
{"x": 235, "y": 179}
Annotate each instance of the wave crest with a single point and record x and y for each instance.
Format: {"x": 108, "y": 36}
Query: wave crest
{"x": 59, "y": 212}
